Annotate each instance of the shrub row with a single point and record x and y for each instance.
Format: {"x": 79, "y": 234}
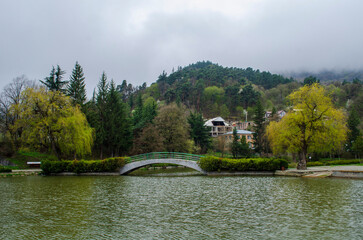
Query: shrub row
{"x": 4, "y": 169}
{"x": 211, "y": 163}
{"x": 82, "y": 166}
{"x": 334, "y": 162}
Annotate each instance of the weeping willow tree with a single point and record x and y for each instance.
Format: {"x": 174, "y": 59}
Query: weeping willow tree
{"x": 50, "y": 122}
{"x": 314, "y": 125}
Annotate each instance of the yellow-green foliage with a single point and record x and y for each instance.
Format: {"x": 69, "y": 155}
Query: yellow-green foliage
{"x": 49, "y": 121}
{"x": 313, "y": 125}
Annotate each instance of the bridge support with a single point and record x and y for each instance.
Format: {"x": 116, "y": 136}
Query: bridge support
{"x": 138, "y": 164}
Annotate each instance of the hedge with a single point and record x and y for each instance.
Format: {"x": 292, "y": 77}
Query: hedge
{"x": 82, "y": 166}
{"x": 334, "y": 162}
{"x": 4, "y": 169}
{"x": 211, "y": 164}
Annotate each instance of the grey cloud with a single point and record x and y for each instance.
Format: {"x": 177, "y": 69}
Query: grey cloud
{"x": 275, "y": 35}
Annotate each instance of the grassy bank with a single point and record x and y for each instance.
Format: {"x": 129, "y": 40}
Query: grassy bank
{"x": 21, "y": 158}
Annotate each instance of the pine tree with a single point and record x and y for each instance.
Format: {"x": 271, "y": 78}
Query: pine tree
{"x": 118, "y": 124}
{"x": 244, "y": 148}
{"x": 259, "y": 128}
{"x": 54, "y": 81}
{"x": 198, "y": 132}
{"x": 143, "y": 114}
{"x": 101, "y": 103}
{"x": 76, "y": 87}
{"x": 353, "y": 123}
{"x": 235, "y": 145}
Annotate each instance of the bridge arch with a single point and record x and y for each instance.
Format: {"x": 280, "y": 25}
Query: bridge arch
{"x": 182, "y": 159}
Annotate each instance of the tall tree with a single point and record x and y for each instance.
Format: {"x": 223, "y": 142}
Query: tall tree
{"x": 249, "y": 96}
{"x": 143, "y": 113}
{"x": 101, "y": 103}
{"x": 50, "y": 122}
{"x": 117, "y": 124}
{"x": 149, "y": 140}
{"x": 76, "y": 88}
{"x": 259, "y": 127}
{"x": 313, "y": 126}
{"x": 354, "y": 132}
{"x": 173, "y": 127}
{"x": 199, "y": 133}
{"x": 239, "y": 146}
{"x": 10, "y": 97}
{"x": 54, "y": 81}
{"x": 235, "y": 145}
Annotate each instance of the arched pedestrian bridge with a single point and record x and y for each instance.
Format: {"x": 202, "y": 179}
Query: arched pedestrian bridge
{"x": 183, "y": 159}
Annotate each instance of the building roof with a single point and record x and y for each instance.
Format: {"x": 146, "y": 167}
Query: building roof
{"x": 210, "y": 123}
{"x": 240, "y": 132}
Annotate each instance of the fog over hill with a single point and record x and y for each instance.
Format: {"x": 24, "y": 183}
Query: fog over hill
{"x": 327, "y": 75}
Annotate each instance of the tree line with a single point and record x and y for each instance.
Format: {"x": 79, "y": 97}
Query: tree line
{"x": 54, "y": 115}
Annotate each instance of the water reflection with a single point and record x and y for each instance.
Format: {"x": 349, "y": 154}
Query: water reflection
{"x": 195, "y": 207}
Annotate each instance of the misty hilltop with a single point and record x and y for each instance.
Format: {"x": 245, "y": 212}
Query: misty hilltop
{"x": 328, "y": 75}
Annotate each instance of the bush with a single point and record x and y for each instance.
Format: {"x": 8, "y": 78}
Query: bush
{"x": 211, "y": 164}
{"x": 343, "y": 162}
{"x": 334, "y": 162}
{"x": 4, "y": 169}
{"x": 81, "y": 166}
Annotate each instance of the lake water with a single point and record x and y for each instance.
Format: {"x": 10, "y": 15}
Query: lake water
{"x": 180, "y": 207}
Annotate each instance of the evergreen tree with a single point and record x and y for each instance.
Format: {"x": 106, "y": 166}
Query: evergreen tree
{"x": 353, "y": 123}
{"x": 143, "y": 113}
{"x": 101, "y": 103}
{"x": 76, "y": 87}
{"x": 311, "y": 80}
{"x": 54, "y": 81}
{"x": 235, "y": 145}
{"x": 259, "y": 128}
{"x": 198, "y": 132}
{"x": 118, "y": 124}
{"x": 244, "y": 148}
{"x": 137, "y": 118}
{"x": 122, "y": 90}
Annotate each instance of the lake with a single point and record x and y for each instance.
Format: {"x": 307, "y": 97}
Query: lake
{"x": 180, "y": 207}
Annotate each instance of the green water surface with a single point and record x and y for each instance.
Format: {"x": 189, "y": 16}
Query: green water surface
{"x": 180, "y": 207}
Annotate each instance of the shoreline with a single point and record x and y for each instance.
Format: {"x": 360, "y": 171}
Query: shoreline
{"x": 346, "y": 171}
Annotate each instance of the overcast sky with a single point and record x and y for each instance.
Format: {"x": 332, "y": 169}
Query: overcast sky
{"x": 137, "y": 40}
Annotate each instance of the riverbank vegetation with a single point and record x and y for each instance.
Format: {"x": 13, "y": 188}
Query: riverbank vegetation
{"x": 4, "y": 169}
{"x": 53, "y": 116}
{"x": 83, "y": 166}
{"x": 212, "y": 164}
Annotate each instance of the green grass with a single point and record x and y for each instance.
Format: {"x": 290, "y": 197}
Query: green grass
{"x": 22, "y": 157}
{"x": 327, "y": 162}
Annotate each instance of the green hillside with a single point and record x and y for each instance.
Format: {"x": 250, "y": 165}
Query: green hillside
{"x": 213, "y": 89}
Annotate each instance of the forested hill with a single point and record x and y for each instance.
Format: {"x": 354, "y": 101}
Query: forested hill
{"x": 214, "y": 90}
{"x": 211, "y": 74}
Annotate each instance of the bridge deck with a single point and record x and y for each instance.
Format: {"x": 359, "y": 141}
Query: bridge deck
{"x": 165, "y": 155}
{"x": 183, "y": 159}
